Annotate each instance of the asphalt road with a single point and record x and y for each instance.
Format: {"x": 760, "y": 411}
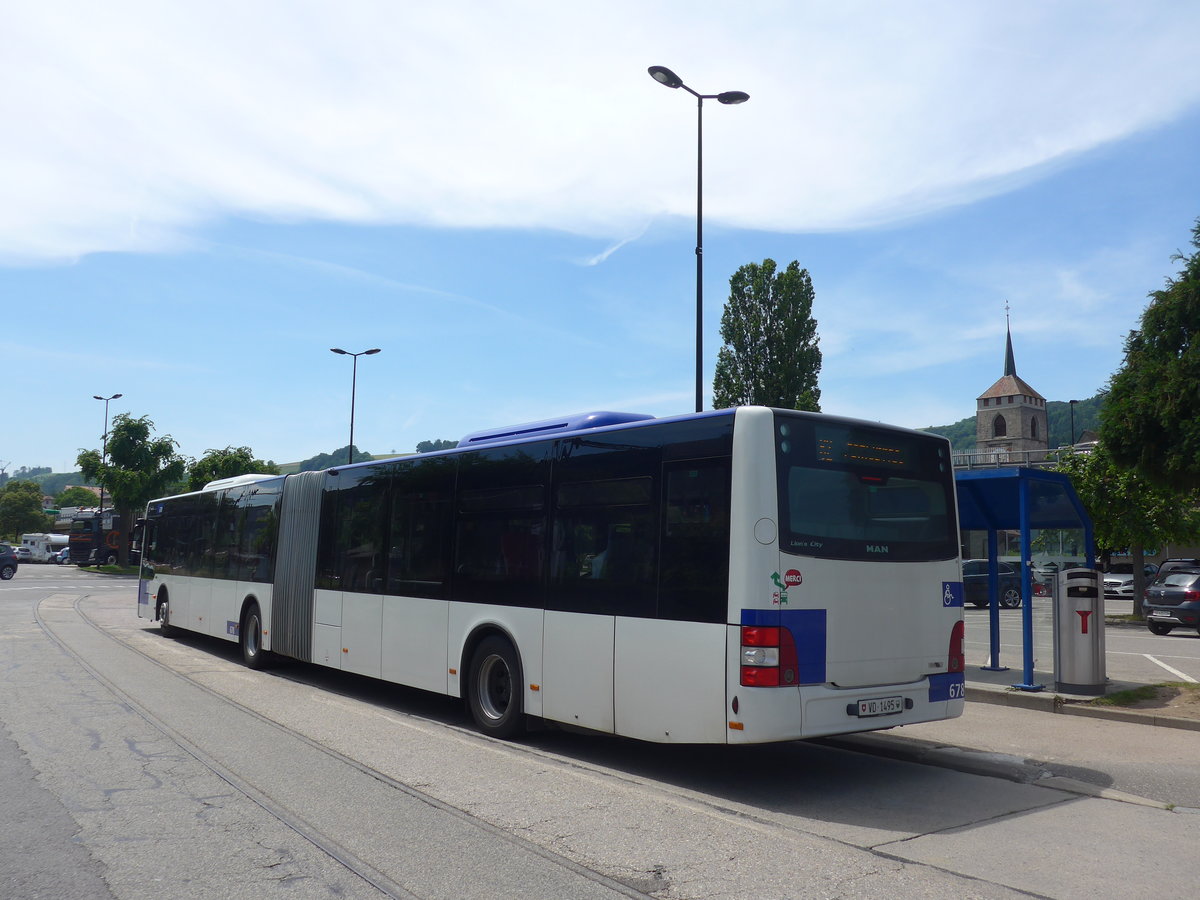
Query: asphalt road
{"x": 1132, "y": 653}
{"x": 164, "y": 768}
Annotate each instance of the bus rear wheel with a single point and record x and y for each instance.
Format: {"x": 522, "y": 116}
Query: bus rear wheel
{"x": 494, "y": 689}
{"x": 250, "y": 638}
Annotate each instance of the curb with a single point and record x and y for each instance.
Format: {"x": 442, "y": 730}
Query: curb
{"x": 1056, "y": 703}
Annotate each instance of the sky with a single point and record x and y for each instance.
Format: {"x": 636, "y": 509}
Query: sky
{"x": 201, "y": 199}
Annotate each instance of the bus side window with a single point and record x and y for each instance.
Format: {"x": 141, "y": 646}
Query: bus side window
{"x": 694, "y": 576}
{"x": 603, "y": 550}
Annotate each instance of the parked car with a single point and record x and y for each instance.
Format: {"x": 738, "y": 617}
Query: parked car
{"x": 1118, "y": 580}
{"x": 61, "y": 557}
{"x": 24, "y": 554}
{"x": 975, "y": 583}
{"x": 8, "y": 562}
{"x": 1173, "y": 600}
{"x": 1179, "y": 563}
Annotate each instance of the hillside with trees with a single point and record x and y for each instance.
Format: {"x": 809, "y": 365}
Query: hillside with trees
{"x": 1058, "y": 418}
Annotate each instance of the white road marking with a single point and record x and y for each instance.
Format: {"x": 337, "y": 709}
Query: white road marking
{"x": 1173, "y": 671}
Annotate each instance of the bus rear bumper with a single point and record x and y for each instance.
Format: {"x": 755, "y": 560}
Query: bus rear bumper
{"x": 813, "y": 711}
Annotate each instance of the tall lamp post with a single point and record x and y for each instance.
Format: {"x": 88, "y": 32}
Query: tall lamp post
{"x": 104, "y": 443}
{"x": 665, "y": 76}
{"x": 1072, "y": 403}
{"x": 353, "y": 389}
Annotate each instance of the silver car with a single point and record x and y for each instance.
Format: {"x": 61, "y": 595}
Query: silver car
{"x": 1118, "y": 580}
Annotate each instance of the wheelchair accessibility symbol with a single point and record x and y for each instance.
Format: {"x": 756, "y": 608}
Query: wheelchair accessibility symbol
{"x": 952, "y": 593}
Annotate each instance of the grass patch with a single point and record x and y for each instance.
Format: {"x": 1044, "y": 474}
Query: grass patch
{"x": 111, "y": 570}
{"x": 1165, "y": 690}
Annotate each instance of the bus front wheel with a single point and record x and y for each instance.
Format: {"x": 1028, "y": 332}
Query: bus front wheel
{"x": 165, "y": 628}
{"x": 250, "y": 637}
{"x": 494, "y": 689}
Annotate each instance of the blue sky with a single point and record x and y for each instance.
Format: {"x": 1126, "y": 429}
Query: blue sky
{"x": 202, "y": 199}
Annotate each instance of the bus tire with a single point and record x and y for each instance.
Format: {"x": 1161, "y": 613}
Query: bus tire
{"x": 494, "y": 688}
{"x": 165, "y": 628}
{"x": 110, "y": 559}
{"x": 250, "y": 638}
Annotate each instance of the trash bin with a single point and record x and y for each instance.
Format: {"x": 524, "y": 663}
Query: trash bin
{"x": 1079, "y": 632}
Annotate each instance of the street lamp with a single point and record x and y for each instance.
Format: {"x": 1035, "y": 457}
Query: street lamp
{"x": 353, "y": 388}
{"x": 1072, "y": 403}
{"x": 104, "y": 443}
{"x": 665, "y": 76}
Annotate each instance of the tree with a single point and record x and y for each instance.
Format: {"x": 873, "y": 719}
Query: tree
{"x": 439, "y": 444}
{"x": 1129, "y": 511}
{"x": 21, "y": 509}
{"x": 770, "y": 355}
{"x": 138, "y": 469}
{"x": 227, "y": 463}
{"x": 75, "y": 496}
{"x": 1149, "y": 421}
{"x": 332, "y": 460}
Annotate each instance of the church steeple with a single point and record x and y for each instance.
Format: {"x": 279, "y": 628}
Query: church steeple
{"x": 1010, "y": 415}
{"x": 1010, "y": 362}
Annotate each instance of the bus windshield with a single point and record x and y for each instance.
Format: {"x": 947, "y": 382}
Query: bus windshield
{"x": 850, "y": 491}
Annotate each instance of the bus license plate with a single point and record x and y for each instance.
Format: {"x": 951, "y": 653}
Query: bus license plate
{"x": 881, "y": 706}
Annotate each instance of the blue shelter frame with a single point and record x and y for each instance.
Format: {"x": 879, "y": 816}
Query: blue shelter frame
{"x": 1025, "y": 499}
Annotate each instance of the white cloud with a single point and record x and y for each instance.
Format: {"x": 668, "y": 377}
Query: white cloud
{"x": 139, "y": 121}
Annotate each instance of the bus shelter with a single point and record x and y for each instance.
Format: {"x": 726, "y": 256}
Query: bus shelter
{"x": 1021, "y": 499}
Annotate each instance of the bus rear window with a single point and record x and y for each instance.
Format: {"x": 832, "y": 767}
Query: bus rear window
{"x": 858, "y": 492}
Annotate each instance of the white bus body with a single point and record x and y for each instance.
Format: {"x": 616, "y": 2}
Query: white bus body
{"x": 724, "y": 577}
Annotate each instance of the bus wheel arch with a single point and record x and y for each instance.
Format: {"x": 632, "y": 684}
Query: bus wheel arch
{"x": 250, "y": 633}
{"x": 162, "y": 612}
{"x": 494, "y": 686}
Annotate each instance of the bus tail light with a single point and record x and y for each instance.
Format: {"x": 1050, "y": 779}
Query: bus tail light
{"x": 768, "y": 656}
{"x": 957, "y": 661}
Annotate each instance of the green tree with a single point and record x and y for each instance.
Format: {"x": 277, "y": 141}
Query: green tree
{"x": 21, "y": 509}
{"x": 75, "y": 496}
{"x": 139, "y": 468}
{"x": 1150, "y": 420}
{"x": 338, "y": 457}
{"x": 770, "y": 355}
{"x": 227, "y": 463}
{"x": 1129, "y": 511}
{"x": 439, "y": 444}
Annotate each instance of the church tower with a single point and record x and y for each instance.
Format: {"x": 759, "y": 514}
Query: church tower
{"x": 1010, "y": 415}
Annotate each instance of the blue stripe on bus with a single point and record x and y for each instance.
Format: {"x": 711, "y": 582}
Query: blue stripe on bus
{"x": 947, "y": 686}
{"x": 808, "y": 628}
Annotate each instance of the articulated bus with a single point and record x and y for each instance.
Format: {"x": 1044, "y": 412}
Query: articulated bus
{"x": 735, "y": 576}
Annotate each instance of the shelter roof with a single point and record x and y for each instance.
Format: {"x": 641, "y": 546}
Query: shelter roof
{"x": 991, "y": 499}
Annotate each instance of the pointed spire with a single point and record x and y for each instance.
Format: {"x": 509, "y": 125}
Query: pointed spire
{"x": 1010, "y": 362}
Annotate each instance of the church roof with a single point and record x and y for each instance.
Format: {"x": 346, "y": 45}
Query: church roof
{"x": 1010, "y": 386}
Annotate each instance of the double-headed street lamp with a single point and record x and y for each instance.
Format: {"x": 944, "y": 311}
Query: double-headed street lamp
{"x": 665, "y": 76}
{"x": 104, "y": 443}
{"x": 353, "y": 388}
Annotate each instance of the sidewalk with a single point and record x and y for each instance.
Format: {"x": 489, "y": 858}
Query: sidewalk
{"x": 985, "y": 686}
